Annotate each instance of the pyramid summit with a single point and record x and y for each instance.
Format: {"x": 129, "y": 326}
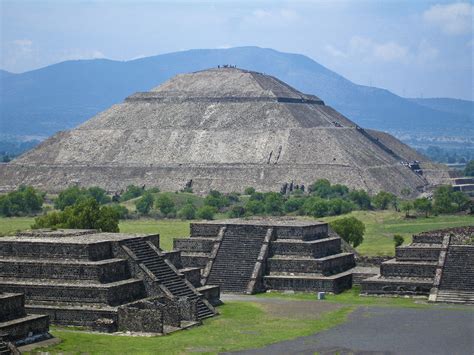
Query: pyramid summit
{"x": 224, "y": 129}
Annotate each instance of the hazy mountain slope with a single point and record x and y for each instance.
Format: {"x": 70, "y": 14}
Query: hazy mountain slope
{"x": 61, "y": 96}
{"x": 456, "y": 106}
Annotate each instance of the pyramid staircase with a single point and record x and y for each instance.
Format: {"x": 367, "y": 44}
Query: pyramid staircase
{"x": 167, "y": 275}
{"x": 257, "y": 255}
{"x": 457, "y": 278}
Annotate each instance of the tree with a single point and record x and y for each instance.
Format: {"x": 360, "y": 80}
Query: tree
{"x": 131, "y": 191}
{"x": 165, "y": 204}
{"x": 188, "y": 211}
{"x": 237, "y": 211}
{"x": 443, "y": 199}
{"x": 398, "y": 240}
{"x": 337, "y": 206}
{"x": 361, "y": 198}
{"x": 85, "y": 214}
{"x": 321, "y": 188}
{"x": 249, "y": 191}
{"x": 144, "y": 204}
{"x": 273, "y": 203}
{"x": 99, "y": 194}
{"x": 423, "y": 205}
{"x": 406, "y": 206}
{"x": 206, "y": 212}
{"x": 254, "y": 207}
{"x": 293, "y": 204}
{"x": 350, "y": 229}
{"x": 461, "y": 200}
{"x": 469, "y": 169}
{"x": 315, "y": 206}
{"x": 121, "y": 211}
{"x": 74, "y": 194}
{"x": 383, "y": 199}
{"x": 25, "y": 200}
{"x": 216, "y": 199}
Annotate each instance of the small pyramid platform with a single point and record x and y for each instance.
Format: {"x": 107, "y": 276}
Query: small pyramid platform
{"x": 438, "y": 264}
{"x": 250, "y": 256}
{"x": 104, "y": 281}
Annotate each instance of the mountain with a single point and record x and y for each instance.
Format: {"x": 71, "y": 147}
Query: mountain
{"x": 60, "y": 96}
{"x": 456, "y": 106}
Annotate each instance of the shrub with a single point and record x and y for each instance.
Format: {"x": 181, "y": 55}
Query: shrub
{"x": 273, "y": 203}
{"x": 315, "y": 206}
{"x": 384, "y": 199}
{"x": 422, "y": 205}
{"x": 26, "y": 200}
{"x": 254, "y": 207}
{"x": 98, "y": 194}
{"x": 398, "y": 240}
{"x": 206, "y": 212}
{"x": 237, "y": 212}
{"x": 216, "y": 199}
{"x": 75, "y": 194}
{"x": 249, "y": 191}
{"x": 85, "y": 214}
{"x": 165, "y": 204}
{"x": 131, "y": 191}
{"x": 337, "y": 206}
{"x": 321, "y": 188}
{"x": 361, "y": 198}
{"x": 350, "y": 229}
{"x": 406, "y": 206}
{"x": 144, "y": 204}
{"x": 293, "y": 204}
{"x": 188, "y": 211}
{"x": 121, "y": 211}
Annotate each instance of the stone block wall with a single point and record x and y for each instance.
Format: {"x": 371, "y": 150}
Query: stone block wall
{"x": 12, "y": 306}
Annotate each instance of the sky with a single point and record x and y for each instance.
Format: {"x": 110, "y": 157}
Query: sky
{"x": 414, "y": 48}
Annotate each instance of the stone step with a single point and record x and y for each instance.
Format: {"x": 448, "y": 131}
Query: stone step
{"x": 200, "y": 245}
{"x": 396, "y": 268}
{"x": 418, "y": 252}
{"x": 397, "y": 285}
{"x": 309, "y": 282}
{"x": 317, "y": 248}
{"x": 451, "y": 296}
{"x": 305, "y": 264}
{"x": 31, "y": 323}
{"x": 113, "y": 293}
{"x": 194, "y": 259}
{"x": 102, "y": 271}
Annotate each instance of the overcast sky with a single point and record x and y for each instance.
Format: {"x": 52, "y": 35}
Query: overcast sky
{"x": 413, "y": 48}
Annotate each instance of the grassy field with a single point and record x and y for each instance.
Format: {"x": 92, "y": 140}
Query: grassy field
{"x": 382, "y": 225}
{"x": 380, "y": 228}
{"x": 241, "y": 325}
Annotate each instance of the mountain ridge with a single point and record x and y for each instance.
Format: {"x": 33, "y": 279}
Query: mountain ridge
{"x": 63, "y": 95}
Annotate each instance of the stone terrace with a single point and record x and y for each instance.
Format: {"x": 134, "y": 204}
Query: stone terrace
{"x": 249, "y": 256}
{"x": 99, "y": 280}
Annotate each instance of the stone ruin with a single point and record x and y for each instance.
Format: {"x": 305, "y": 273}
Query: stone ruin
{"x": 223, "y": 129}
{"x": 16, "y": 326}
{"x": 438, "y": 264}
{"x": 250, "y": 256}
{"x": 104, "y": 281}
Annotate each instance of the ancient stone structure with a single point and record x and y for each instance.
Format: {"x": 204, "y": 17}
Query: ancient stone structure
{"x": 106, "y": 281}
{"x": 223, "y": 129}
{"x": 16, "y": 326}
{"x": 439, "y": 264}
{"x": 249, "y": 256}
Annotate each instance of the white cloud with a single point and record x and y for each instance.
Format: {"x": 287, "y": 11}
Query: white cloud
{"x": 452, "y": 19}
{"x": 274, "y": 17}
{"x": 77, "y": 54}
{"x": 23, "y": 46}
{"x": 366, "y": 49}
{"x": 390, "y": 51}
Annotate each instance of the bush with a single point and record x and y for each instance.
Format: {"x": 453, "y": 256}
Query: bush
{"x": 293, "y": 204}
{"x": 384, "y": 199}
{"x": 350, "y": 229}
{"x": 446, "y": 200}
{"x": 249, "y": 191}
{"x": 254, "y": 207}
{"x": 315, "y": 206}
{"x": 74, "y": 194}
{"x": 188, "y": 211}
{"x": 361, "y": 198}
{"x": 144, "y": 204}
{"x": 121, "y": 211}
{"x": 273, "y": 203}
{"x": 98, "y": 194}
{"x": 206, "y": 212}
{"x": 165, "y": 204}
{"x": 26, "y": 200}
{"x": 131, "y": 191}
{"x": 422, "y": 205}
{"x": 337, "y": 206}
{"x": 398, "y": 240}
{"x": 237, "y": 212}
{"x": 321, "y": 188}
{"x": 216, "y": 199}
{"x": 406, "y": 206}
{"x": 85, "y": 214}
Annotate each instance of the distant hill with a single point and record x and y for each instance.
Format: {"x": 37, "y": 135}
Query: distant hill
{"x": 5, "y": 74}
{"x": 456, "y": 106}
{"x": 63, "y": 95}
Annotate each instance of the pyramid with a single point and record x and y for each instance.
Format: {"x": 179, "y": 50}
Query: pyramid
{"x": 224, "y": 129}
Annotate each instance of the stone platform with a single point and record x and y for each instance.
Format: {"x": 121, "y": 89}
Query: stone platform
{"x": 249, "y": 256}
{"x": 104, "y": 281}
{"x": 18, "y": 327}
{"x": 438, "y": 263}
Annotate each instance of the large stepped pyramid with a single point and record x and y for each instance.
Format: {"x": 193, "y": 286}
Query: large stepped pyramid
{"x": 437, "y": 263}
{"x": 100, "y": 280}
{"x": 221, "y": 129}
{"x": 248, "y": 256}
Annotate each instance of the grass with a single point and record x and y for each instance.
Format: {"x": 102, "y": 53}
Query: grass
{"x": 241, "y": 325}
{"x": 382, "y": 225}
{"x": 380, "y": 228}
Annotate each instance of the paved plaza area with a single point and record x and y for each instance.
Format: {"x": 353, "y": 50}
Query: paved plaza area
{"x": 382, "y": 330}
